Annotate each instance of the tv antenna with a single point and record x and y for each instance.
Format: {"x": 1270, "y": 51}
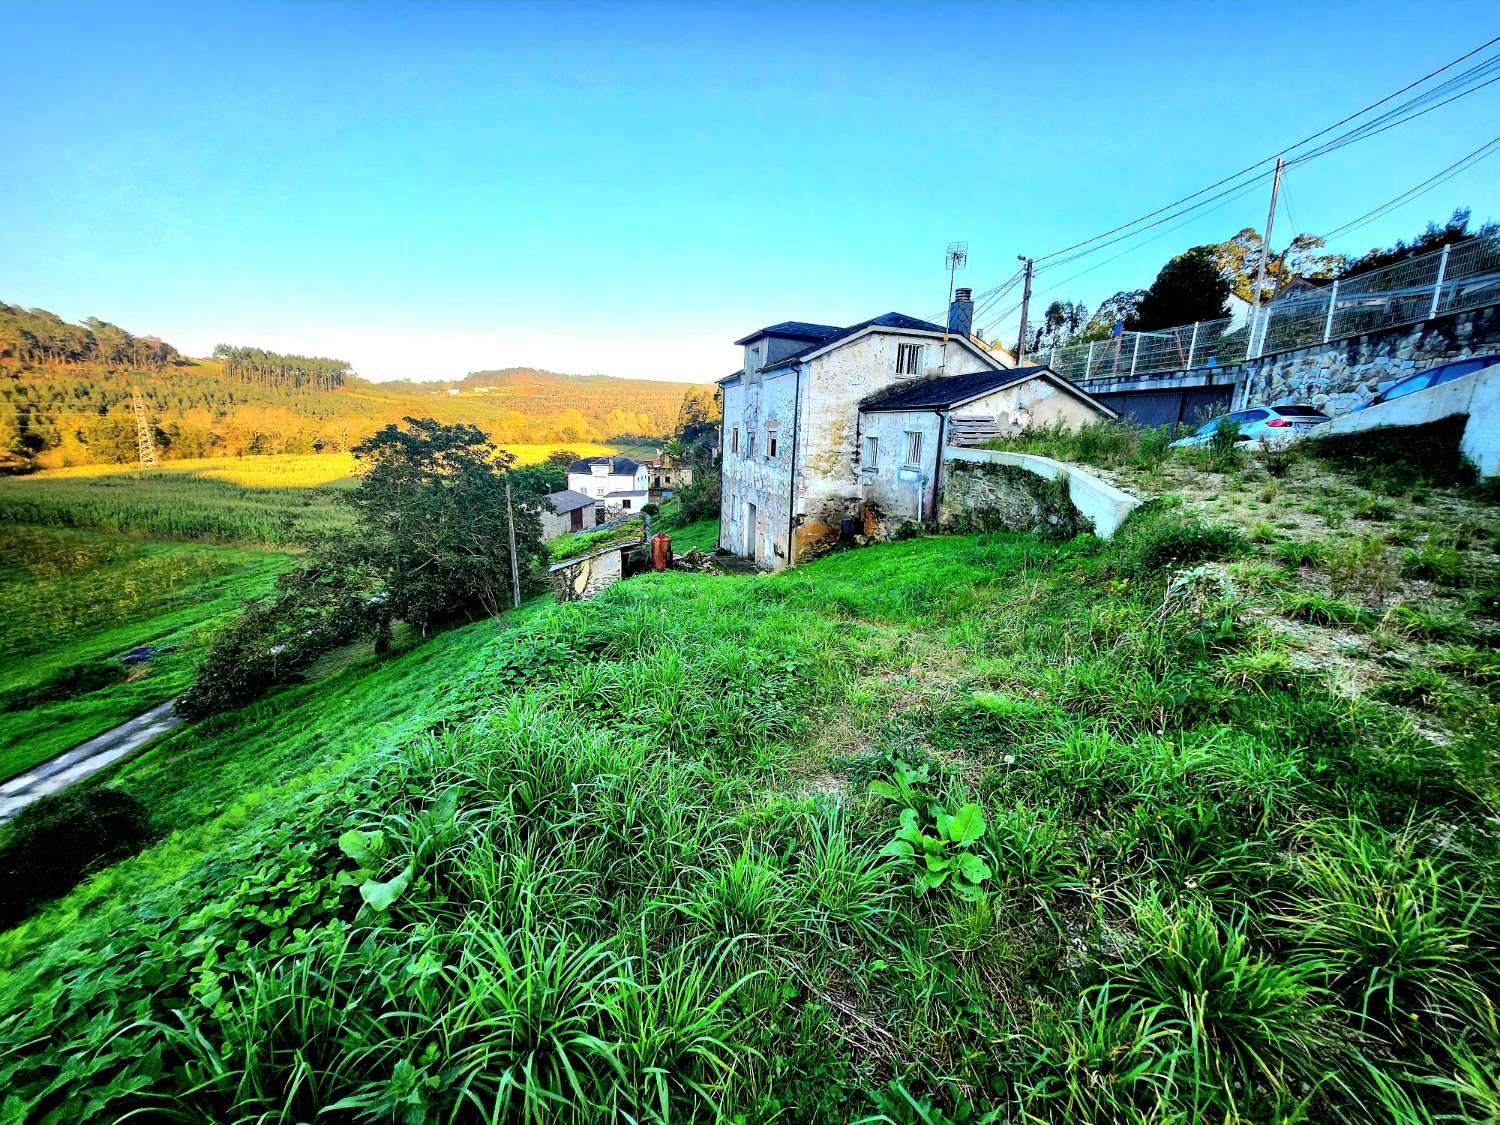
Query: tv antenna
{"x": 954, "y": 260}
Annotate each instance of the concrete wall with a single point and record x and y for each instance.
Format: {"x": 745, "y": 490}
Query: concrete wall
{"x": 1337, "y": 375}
{"x": 1104, "y": 506}
{"x": 897, "y": 491}
{"x": 1475, "y": 396}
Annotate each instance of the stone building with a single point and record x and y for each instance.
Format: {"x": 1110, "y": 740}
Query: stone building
{"x": 569, "y": 511}
{"x": 829, "y": 430}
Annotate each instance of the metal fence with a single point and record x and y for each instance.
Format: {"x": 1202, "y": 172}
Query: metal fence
{"x": 1465, "y": 275}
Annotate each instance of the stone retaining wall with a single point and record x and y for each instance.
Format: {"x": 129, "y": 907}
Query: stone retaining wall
{"x": 989, "y": 489}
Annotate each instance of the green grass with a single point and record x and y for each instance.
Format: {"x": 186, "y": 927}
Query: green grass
{"x": 208, "y": 501}
{"x": 76, "y": 600}
{"x": 624, "y": 858}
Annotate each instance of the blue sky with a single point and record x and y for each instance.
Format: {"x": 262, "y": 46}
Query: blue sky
{"x": 432, "y": 188}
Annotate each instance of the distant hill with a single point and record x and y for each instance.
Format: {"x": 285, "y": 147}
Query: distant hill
{"x": 65, "y": 399}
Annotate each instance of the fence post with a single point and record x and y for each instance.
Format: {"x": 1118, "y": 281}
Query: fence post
{"x": 1437, "y": 286}
{"x": 1088, "y": 362}
{"x": 1193, "y": 343}
{"x": 1333, "y": 301}
{"x": 1135, "y": 354}
{"x": 1252, "y": 322}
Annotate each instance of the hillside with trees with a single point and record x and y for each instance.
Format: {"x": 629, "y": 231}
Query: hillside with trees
{"x": 65, "y": 393}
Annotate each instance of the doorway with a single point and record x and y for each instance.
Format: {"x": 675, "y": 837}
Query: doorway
{"x": 752, "y": 521}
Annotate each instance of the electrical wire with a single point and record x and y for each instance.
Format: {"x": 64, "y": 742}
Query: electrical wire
{"x": 1483, "y": 152}
{"x": 1330, "y": 147}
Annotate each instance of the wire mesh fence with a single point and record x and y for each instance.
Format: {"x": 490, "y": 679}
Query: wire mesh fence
{"x": 1463, "y": 276}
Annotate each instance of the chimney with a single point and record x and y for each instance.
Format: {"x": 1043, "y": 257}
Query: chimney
{"x": 961, "y": 313}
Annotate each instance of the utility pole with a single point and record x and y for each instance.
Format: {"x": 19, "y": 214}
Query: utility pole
{"x": 144, "y": 443}
{"x": 510, "y": 520}
{"x": 1025, "y": 308}
{"x": 1265, "y": 250}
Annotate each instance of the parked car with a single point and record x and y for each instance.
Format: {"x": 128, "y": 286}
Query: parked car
{"x": 1432, "y": 377}
{"x": 1268, "y": 423}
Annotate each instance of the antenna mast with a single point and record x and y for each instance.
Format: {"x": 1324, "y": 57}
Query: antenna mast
{"x": 145, "y": 446}
{"x": 956, "y": 259}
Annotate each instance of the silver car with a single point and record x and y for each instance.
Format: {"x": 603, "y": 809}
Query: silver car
{"x": 1268, "y": 423}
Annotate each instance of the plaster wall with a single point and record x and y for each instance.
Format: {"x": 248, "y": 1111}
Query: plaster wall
{"x": 756, "y": 491}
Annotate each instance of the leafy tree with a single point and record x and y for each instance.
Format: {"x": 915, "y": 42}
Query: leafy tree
{"x": 1190, "y": 287}
{"x": 432, "y": 517}
{"x": 1238, "y": 258}
{"x": 1120, "y": 307}
{"x": 1060, "y": 323}
{"x": 1434, "y": 237}
{"x": 111, "y": 440}
{"x": 563, "y": 457}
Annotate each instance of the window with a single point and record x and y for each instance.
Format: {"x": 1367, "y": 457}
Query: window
{"x": 908, "y": 359}
{"x": 734, "y": 446}
{"x": 913, "y": 449}
{"x": 872, "y": 453}
{"x": 625, "y": 504}
{"x": 771, "y": 447}
{"x": 749, "y": 443}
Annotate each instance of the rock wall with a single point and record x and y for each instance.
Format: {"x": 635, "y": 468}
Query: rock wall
{"x": 984, "y": 496}
{"x": 582, "y": 578}
{"x": 1343, "y": 373}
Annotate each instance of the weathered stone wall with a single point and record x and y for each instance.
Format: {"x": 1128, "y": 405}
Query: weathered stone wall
{"x": 1343, "y": 373}
{"x": 986, "y": 496}
{"x": 582, "y": 578}
{"x": 1337, "y": 375}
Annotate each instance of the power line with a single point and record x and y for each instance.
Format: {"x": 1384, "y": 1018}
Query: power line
{"x": 1483, "y": 152}
{"x": 1305, "y": 140}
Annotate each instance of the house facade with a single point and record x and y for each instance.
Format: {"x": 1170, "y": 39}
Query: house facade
{"x": 619, "y": 482}
{"x": 831, "y": 430}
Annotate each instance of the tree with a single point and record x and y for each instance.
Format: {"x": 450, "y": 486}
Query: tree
{"x": 1060, "y": 323}
{"x": 431, "y": 509}
{"x": 1119, "y": 308}
{"x": 1434, "y": 237}
{"x": 1238, "y": 258}
{"x": 1190, "y": 287}
{"x": 563, "y": 457}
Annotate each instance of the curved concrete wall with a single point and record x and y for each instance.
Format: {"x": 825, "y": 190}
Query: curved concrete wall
{"x": 1102, "y": 504}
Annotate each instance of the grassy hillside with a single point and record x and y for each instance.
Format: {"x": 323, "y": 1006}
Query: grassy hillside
{"x": 76, "y": 600}
{"x": 656, "y": 855}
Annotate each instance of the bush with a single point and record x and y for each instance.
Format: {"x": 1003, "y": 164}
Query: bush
{"x": 1223, "y": 447}
{"x": 699, "y": 498}
{"x": 56, "y": 841}
{"x": 1160, "y": 534}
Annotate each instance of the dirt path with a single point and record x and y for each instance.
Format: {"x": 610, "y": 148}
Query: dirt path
{"x": 72, "y": 765}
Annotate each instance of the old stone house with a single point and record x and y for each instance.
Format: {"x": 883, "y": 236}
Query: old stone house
{"x": 569, "y": 511}
{"x": 829, "y": 430}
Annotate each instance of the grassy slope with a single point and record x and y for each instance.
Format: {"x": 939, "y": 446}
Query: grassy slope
{"x": 79, "y": 599}
{"x": 1212, "y": 889}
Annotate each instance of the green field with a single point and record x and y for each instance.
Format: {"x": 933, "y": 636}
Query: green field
{"x": 952, "y": 830}
{"x": 76, "y": 600}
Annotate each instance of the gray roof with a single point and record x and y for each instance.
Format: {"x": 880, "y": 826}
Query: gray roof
{"x": 945, "y": 390}
{"x": 618, "y": 466}
{"x": 567, "y": 501}
{"x": 886, "y": 320}
{"x": 794, "y": 330}
{"x": 950, "y": 390}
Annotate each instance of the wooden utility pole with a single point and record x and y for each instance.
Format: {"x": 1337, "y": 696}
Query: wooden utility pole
{"x": 1265, "y": 250}
{"x": 1025, "y": 308}
{"x": 510, "y": 522}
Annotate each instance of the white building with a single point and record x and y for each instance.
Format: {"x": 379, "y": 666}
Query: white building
{"x": 569, "y": 511}
{"x": 829, "y": 430}
{"x": 617, "y": 481}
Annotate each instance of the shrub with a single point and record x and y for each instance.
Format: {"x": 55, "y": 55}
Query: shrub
{"x": 1158, "y": 535}
{"x": 1278, "y": 457}
{"x": 56, "y": 841}
{"x": 1223, "y": 445}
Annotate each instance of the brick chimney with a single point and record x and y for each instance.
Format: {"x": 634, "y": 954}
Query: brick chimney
{"x": 961, "y": 313}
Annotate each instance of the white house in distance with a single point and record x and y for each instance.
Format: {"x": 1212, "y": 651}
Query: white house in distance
{"x": 828, "y": 430}
{"x": 618, "y": 481}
